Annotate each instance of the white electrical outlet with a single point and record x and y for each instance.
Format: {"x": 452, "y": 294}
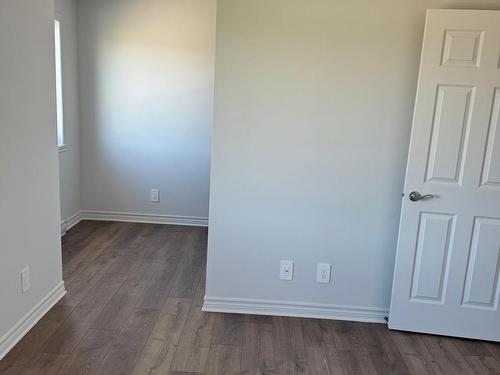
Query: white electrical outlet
{"x": 323, "y": 272}
{"x": 25, "y": 280}
{"x": 286, "y": 270}
{"x": 155, "y": 195}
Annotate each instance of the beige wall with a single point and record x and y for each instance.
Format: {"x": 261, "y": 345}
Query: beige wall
{"x": 313, "y": 109}
{"x": 29, "y": 191}
{"x": 146, "y": 78}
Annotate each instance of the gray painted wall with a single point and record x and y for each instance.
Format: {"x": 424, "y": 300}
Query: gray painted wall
{"x": 29, "y": 191}
{"x": 146, "y": 84}
{"x": 69, "y": 160}
{"x": 313, "y": 109}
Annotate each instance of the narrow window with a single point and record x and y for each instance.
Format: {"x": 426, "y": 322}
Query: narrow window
{"x": 59, "y": 93}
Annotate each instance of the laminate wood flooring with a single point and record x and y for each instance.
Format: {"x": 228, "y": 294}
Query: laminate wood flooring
{"x": 134, "y": 307}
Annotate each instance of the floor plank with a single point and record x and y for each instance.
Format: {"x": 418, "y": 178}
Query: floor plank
{"x": 191, "y": 358}
{"x": 191, "y": 267}
{"x": 158, "y": 289}
{"x": 65, "y": 339}
{"x": 199, "y": 328}
{"x": 483, "y": 365}
{"x": 90, "y": 352}
{"x": 448, "y": 358}
{"x": 22, "y": 355}
{"x": 317, "y": 360}
{"x": 47, "y": 364}
{"x": 158, "y": 353}
{"x": 228, "y": 330}
{"x": 258, "y": 348}
{"x": 224, "y": 360}
{"x": 357, "y": 363}
{"x": 122, "y": 354}
{"x": 119, "y": 307}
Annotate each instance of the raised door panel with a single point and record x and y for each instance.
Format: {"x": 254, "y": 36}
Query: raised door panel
{"x": 491, "y": 166}
{"x": 481, "y": 285}
{"x": 434, "y": 243}
{"x": 450, "y": 132}
{"x": 462, "y": 48}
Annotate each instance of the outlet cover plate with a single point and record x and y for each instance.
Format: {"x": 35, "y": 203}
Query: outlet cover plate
{"x": 155, "y": 195}
{"x": 323, "y": 273}
{"x": 286, "y": 270}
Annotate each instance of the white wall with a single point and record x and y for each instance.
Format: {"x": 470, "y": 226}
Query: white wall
{"x": 29, "y": 191}
{"x": 69, "y": 160}
{"x": 146, "y": 76}
{"x": 313, "y": 109}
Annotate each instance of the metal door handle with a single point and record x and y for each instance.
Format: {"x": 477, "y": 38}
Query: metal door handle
{"x": 416, "y": 196}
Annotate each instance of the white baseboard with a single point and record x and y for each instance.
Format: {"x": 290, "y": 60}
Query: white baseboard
{"x": 144, "y": 218}
{"x": 70, "y": 222}
{"x": 295, "y": 309}
{"x": 22, "y": 327}
{"x": 128, "y": 217}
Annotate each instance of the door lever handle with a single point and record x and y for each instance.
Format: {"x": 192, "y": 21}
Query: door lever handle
{"x": 416, "y": 196}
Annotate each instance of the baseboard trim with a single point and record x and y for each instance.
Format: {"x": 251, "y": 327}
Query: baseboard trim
{"x": 144, "y": 218}
{"x": 22, "y": 327}
{"x": 70, "y": 222}
{"x": 295, "y": 309}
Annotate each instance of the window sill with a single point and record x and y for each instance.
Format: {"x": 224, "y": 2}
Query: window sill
{"x": 62, "y": 148}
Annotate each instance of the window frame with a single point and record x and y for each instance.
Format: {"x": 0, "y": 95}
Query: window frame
{"x": 61, "y": 144}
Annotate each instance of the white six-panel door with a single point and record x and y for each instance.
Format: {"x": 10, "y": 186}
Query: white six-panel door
{"x": 446, "y": 279}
